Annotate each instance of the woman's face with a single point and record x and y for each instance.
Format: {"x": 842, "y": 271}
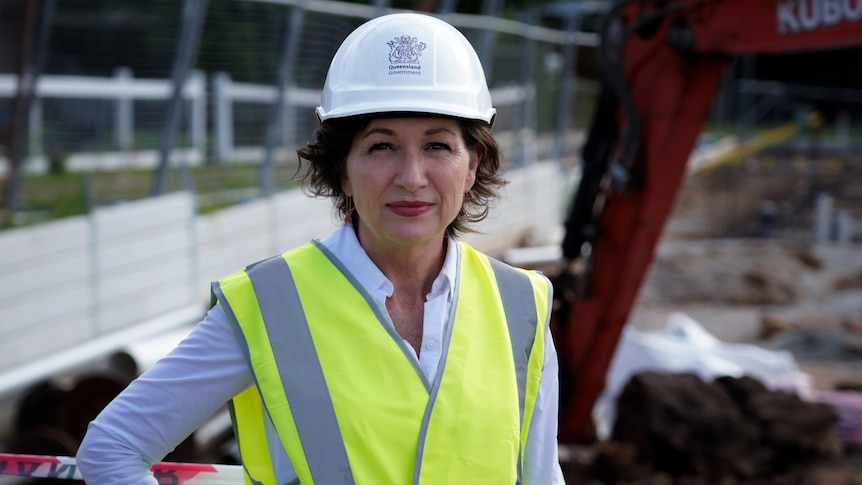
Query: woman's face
{"x": 408, "y": 177}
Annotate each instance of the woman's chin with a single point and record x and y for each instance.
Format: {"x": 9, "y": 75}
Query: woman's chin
{"x": 406, "y": 235}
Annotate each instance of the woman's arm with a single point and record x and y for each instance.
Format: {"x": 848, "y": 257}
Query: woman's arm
{"x": 163, "y": 406}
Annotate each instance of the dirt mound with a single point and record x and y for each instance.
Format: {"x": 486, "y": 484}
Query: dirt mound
{"x": 679, "y": 429}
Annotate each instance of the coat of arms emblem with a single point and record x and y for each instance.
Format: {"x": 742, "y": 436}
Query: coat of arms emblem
{"x": 405, "y": 50}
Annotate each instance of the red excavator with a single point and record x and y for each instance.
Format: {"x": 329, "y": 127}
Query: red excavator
{"x": 662, "y": 64}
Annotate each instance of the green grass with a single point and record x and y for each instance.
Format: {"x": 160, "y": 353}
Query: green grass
{"x": 55, "y": 196}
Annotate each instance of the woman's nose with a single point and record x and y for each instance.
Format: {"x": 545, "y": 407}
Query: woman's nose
{"x": 411, "y": 172}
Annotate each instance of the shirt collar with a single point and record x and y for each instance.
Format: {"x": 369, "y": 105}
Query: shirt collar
{"x": 344, "y": 244}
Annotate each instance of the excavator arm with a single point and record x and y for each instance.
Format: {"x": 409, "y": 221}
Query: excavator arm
{"x": 662, "y": 64}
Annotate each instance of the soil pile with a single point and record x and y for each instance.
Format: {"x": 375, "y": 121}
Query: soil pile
{"x": 675, "y": 429}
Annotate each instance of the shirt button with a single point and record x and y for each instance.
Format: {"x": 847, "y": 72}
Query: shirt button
{"x": 430, "y": 345}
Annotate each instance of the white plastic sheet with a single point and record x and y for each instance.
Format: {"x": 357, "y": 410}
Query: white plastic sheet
{"x": 685, "y": 346}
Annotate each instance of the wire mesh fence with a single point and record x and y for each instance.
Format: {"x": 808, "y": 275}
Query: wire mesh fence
{"x": 243, "y": 39}
{"x": 103, "y": 96}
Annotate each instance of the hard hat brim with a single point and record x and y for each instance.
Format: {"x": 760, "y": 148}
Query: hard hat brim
{"x": 376, "y": 108}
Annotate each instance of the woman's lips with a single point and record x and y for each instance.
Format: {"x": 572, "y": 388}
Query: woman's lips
{"x": 409, "y": 208}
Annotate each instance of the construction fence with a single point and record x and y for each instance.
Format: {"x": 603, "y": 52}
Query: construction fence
{"x": 113, "y": 81}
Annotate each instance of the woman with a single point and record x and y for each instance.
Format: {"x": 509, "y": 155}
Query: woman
{"x": 387, "y": 353}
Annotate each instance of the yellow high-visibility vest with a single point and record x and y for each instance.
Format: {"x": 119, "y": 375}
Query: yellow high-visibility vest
{"x": 348, "y": 403}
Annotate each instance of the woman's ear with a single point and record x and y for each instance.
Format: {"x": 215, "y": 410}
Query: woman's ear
{"x": 472, "y": 166}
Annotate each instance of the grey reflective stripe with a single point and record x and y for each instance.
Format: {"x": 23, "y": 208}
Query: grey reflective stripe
{"x": 218, "y": 296}
{"x": 519, "y": 305}
{"x": 300, "y": 371}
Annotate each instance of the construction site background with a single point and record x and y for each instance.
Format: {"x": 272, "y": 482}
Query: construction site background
{"x": 765, "y": 245}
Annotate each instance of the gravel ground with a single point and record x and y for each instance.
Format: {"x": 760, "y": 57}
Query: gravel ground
{"x": 776, "y": 293}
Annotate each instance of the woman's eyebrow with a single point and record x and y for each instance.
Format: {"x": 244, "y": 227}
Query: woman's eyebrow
{"x": 434, "y": 131}
{"x": 387, "y": 131}
{"x": 384, "y": 131}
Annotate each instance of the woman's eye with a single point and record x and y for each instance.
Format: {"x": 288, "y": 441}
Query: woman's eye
{"x": 379, "y": 146}
{"x": 438, "y": 146}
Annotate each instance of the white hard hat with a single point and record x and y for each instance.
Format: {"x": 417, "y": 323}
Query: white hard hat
{"x": 406, "y": 62}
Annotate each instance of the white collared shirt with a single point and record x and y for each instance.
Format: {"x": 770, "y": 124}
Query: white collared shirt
{"x": 172, "y": 399}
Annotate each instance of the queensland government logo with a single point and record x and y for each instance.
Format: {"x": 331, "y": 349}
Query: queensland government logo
{"x": 404, "y": 55}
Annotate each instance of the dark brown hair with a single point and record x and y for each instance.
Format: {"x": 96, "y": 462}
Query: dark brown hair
{"x": 327, "y": 164}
